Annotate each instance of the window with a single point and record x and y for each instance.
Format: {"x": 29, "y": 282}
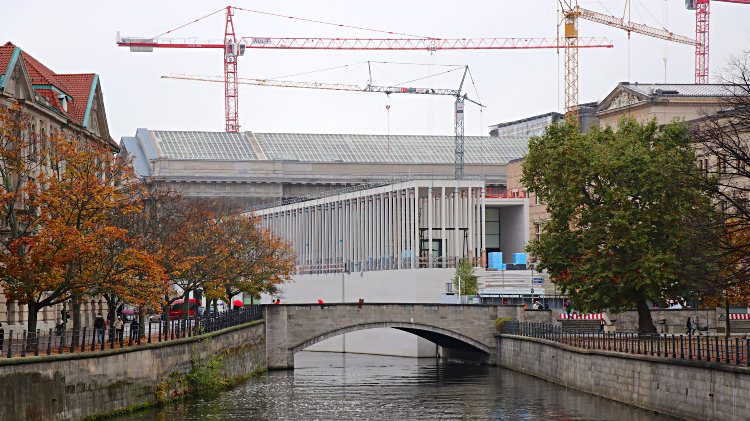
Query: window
{"x": 703, "y": 166}
{"x": 721, "y": 164}
{"x": 492, "y": 228}
{"x": 537, "y": 200}
{"x": 537, "y": 230}
{"x": 724, "y": 207}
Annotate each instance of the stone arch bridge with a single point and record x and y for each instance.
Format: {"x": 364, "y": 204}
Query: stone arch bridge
{"x": 461, "y": 331}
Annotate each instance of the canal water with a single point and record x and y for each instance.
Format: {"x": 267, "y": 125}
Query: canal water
{"x": 332, "y": 386}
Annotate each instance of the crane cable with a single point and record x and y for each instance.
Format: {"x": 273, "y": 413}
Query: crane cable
{"x": 189, "y": 23}
{"x": 316, "y": 71}
{"x": 340, "y": 25}
{"x": 425, "y": 77}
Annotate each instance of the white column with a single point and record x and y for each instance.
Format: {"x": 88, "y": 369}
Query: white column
{"x": 470, "y": 222}
{"x": 429, "y": 226}
{"x": 443, "y": 242}
{"x": 456, "y": 240}
{"x": 415, "y": 237}
{"x": 401, "y": 231}
{"x": 483, "y": 226}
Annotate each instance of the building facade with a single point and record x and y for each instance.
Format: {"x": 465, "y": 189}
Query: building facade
{"x": 664, "y": 102}
{"x": 70, "y": 104}
{"x": 258, "y": 168}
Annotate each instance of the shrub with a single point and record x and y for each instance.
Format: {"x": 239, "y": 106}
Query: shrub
{"x": 207, "y": 379}
{"x": 500, "y": 323}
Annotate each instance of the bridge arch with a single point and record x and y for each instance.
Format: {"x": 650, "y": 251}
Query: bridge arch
{"x": 437, "y": 335}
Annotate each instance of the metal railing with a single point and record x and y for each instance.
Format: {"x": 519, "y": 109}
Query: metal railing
{"x": 87, "y": 339}
{"x": 382, "y": 263}
{"x": 709, "y": 348}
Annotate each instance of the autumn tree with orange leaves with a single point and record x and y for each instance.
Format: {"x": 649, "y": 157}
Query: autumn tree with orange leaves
{"x": 227, "y": 253}
{"x": 258, "y": 261}
{"x": 59, "y": 198}
{"x": 77, "y": 223}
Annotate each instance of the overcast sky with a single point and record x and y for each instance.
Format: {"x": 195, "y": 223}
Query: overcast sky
{"x": 78, "y": 36}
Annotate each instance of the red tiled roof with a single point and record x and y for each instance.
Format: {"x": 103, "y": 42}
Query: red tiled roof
{"x": 77, "y": 86}
{"x": 6, "y": 51}
{"x": 52, "y": 96}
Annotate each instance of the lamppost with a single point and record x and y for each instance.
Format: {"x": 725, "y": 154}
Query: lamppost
{"x": 459, "y": 289}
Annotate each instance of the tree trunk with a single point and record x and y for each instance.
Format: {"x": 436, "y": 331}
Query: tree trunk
{"x": 75, "y": 306}
{"x": 727, "y": 323}
{"x": 645, "y": 323}
{"x": 31, "y": 326}
{"x": 142, "y": 322}
{"x": 186, "y": 305}
{"x": 111, "y": 312}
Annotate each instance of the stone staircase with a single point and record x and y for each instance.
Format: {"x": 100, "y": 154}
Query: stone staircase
{"x": 511, "y": 281}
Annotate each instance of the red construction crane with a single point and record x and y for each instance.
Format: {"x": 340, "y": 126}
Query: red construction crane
{"x": 702, "y": 15}
{"x": 234, "y": 48}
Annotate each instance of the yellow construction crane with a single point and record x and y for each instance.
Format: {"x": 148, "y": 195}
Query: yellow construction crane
{"x": 571, "y": 13}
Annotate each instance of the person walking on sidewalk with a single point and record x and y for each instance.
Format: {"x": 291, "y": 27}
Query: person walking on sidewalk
{"x": 119, "y": 326}
{"x": 99, "y": 327}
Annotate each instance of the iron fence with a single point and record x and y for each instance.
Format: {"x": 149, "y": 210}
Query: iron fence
{"x": 709, "y": 348}
{"x": 87, "y": 339}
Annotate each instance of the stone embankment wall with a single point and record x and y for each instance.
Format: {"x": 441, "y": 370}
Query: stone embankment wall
{"x": 694, "y": 390}
{"x": 75, "y": 386}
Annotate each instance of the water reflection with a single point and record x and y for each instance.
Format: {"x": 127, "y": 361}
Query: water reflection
{"x": 330, "y": 386}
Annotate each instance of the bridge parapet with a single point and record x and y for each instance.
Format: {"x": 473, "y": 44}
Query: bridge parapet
{"x": 294, "y": 327}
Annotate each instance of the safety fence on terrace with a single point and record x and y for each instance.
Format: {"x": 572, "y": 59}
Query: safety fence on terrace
{"x": 24, "y": 344}
{"x": 732, "y": 350}
{"x": 382, "y": 263}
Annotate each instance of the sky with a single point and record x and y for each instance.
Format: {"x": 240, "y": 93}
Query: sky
{"x": 78, "y": 36}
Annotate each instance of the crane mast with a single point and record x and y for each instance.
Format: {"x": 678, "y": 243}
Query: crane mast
{"x": 702, "y": 14}
{"x": 571, "y": 13}
{"x": 231, "y": 51}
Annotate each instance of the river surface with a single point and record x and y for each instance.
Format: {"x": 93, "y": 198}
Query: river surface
{"x": 332, "y": 386}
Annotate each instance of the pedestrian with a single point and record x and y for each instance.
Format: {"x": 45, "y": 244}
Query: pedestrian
{"x": 2, "y": 336}
{"x": 696, "y": 326}
{"x": 59, "y": 328}
{"x": 689, "y": 326}
{"x": 119, "y": 327}
{"x": 134, "y": 330}
{"x": 99, "y": 327}
{"x": 537, "y": 305}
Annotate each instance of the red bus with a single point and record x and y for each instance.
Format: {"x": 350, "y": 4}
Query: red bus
{"x": 175, "y": 310}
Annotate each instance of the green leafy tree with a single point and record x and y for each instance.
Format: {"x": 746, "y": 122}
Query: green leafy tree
{"x": 466, "y": 271}
{"x": 624, "y": 215}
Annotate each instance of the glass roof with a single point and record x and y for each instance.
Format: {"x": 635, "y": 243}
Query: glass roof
{"x": 388, "y": 149}
{"x": 204, "y": 145}
{"x": 351, "y": 148}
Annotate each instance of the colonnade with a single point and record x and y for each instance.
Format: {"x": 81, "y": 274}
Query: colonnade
{"x": 14, "y": 315}
{"x": 414, "y": 224}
